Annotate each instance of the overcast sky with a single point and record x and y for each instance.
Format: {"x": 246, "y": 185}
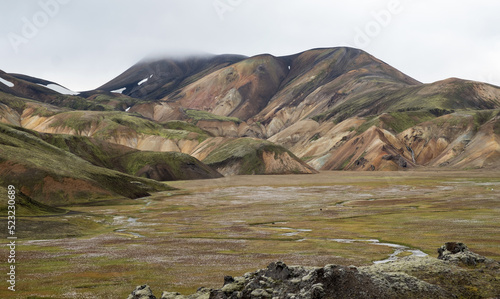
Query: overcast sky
{"x": 82, "y": 44}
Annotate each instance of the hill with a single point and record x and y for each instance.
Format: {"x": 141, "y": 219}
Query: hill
{"x": 55, "y": 177}
{"x": 333, "y": 108}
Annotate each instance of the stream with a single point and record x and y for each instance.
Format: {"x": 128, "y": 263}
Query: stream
{"x": 128, "y": 222}
{"x": 398, "y": 249}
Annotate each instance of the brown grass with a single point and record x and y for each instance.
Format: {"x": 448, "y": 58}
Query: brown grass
{"x": 234, "y": 225}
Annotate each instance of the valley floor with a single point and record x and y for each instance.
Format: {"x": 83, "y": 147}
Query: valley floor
{"x": 185, "y": 239}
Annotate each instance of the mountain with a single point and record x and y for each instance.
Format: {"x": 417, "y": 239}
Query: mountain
{"x": 332, "y": 108}
{"x": 152, "y": 79}
{"x": 320, "y": 103}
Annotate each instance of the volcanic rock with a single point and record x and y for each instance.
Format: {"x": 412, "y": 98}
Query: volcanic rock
{"x": 408, "y": 277}
{"x": 142, "y": 292}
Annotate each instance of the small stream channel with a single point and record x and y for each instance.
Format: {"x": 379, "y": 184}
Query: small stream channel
{"x": 130, "y": 221}
{"x": 398, "y": 249}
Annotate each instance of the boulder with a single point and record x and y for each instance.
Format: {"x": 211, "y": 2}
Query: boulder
{"x": 458, "y": 252}
{"x": 142, "y": 292}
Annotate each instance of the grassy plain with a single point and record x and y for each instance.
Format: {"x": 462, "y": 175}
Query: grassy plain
{"x": 181, "y": 240}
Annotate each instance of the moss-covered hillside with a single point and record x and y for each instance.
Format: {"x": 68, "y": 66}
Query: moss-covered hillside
{"x": 56, "y": 177}
{"x": 254, "y": 156}
{"x": 160, "y": 166}
{"x": 166, "y": 166}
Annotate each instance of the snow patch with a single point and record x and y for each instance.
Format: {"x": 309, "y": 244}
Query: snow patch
{"x": 8, "y": 83}
{"x": 144, "y": 80}
{"x": 59, "y": 89}
{"x": 126, "y": 110}
{"x": 121, "y": 90}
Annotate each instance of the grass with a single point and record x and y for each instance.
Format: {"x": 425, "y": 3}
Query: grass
{"x": 135, "y": 161}
{"x": 53, "y": 176}
{"x": 112, "y": 124}
{"x": 248, "y": 151}
{"x": 43, "y": 112}
{"x": 183, "y": 126}
{"x": 370, "y": 121}
{"x": 198, "y": 115}
{"x": 180, "y": 166}
{"x": 230, "y": 226}
{"x": 346, "y": 162}
{"x": 400, "y": 121}
{"x": 26, "y": 206}
{"x": 94, "y": 151}
{"x": 481, "y": 117}
{"x": 16, "y": 103}
{"x": 128, "y": 160}
{"x": 496, "y": 127}
{"x": 452, "y": 97}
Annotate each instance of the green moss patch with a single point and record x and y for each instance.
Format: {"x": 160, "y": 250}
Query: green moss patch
{"x": 16, "y": 103}
{"x": 247, "y": 151}
{"x": 25, "y": 206}
{"x": 166, "y": 166}
{"x": 198, "y": 115}
{"x": 400, "y": 121}
{"x": 459, "y": 95}
{"x": 53, "y": 176}
{"x": 184, "y": 126}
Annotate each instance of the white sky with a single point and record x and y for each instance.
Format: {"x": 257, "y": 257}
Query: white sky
{"x": 82, "y": 44}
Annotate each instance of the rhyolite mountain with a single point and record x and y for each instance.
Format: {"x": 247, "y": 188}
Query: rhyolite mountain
{"x": 336, "y": 108}
{"x": 322, "y": 109}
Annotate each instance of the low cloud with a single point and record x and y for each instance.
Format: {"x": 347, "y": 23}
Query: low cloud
{"x": 83, "y": 44}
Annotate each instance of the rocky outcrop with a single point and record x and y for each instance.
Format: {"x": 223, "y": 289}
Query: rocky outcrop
{"x": 459, "y": 253}
{"x": 142, "y": 292}
{"x": 332, "y": 281}
{"x": 409, "y": 277}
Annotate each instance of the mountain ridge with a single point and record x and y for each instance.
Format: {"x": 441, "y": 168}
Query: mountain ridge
{"x": 334, "y": 108}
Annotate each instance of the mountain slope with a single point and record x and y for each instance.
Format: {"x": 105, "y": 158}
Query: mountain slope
{"x": 277, "y": 91}
{"x": 154, "y": 78}
{"x": 254, "y": 156}
{"x": 322, "y": 84}
{"x": 44, "y": 91}
{"x": 241, "y": 90}
{"x": 334, "y": 108}
{"x": 53, "y": 176}
{"x": 397, "y": 141}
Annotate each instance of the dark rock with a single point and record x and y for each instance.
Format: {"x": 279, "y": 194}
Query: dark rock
{"x": 278, "y": 270}
{"x": 402, "y": 162}
{"x": 142, "y": 292}
{"x": 396, "y": 158}
{"x": 228, "y": 280}
{"x": 361, "y": 162}
{"x": 388, "y": 157}
{"x": 410, "y": 277}
{"x": 458, "y": 252}
{"x": 455, "y": 247}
